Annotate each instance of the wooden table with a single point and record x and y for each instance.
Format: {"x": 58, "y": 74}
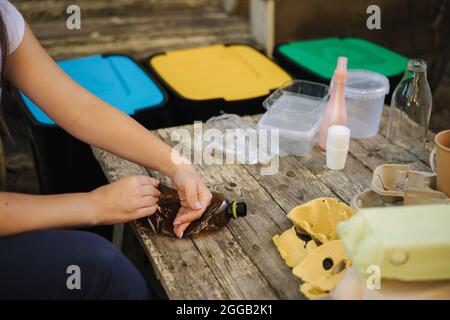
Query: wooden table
{"x": 240, "y": 261}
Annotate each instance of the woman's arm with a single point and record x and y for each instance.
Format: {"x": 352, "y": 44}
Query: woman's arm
{"x": 80, "y": 113}
{"x": 122, "y": 201}
{"x": 95, "y": 122}
{"x": 22, "y": 213}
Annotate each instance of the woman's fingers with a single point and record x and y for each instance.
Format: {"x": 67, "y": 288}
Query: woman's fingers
{"x": 179, "y": 230}
{"x": 188, "y": 216}
{"x": 145, "y": 212}
{"x": 148, "y": 201}
{"x": 185, "y": 214}
{"x": 183, "y": 211}
{"x": 190, "y": 188}
{"x": 149, "y": 190}
{"x": 204, "y": 195}
{"x": 184, "y": 204}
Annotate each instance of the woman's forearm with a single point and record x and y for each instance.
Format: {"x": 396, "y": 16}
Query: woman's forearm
{"x": 79, "y": 112}
{"x": 21, "y": 213}
{"x": 121, "y": 135}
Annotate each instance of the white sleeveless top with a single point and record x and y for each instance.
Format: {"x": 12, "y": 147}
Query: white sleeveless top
{"x": 15, "y": 26}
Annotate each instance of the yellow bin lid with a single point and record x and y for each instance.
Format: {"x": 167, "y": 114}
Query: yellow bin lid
{"x": 234, "y": 72}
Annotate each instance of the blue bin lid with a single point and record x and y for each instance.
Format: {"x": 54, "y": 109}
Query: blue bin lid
{"x": 115, "y": 79}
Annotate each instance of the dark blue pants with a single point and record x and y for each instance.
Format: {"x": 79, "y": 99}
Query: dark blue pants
{"x": 36, "y": 265}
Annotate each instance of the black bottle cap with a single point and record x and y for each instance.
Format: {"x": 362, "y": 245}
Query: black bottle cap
{"x": 237, "y": 209}
{"x": 241, "y": 209}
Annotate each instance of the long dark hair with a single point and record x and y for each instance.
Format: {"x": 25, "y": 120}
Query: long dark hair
{"x": 4, "y": 84}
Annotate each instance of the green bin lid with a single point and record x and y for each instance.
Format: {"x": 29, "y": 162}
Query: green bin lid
{"x": 319, "y": 56}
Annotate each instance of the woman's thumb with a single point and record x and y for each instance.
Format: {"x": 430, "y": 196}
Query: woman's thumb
{"x": 192, "y": 196}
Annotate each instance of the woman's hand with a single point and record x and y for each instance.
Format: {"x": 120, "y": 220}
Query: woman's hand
{"x": 125, "y": 200}
{"x": 194, "y": 195}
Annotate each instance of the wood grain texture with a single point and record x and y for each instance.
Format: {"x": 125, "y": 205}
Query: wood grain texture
{"x": 140, "y": 35}
{"x": 56, "y": 9}
{"x": 419, "y": 152}
{"x": 308, "y": 178}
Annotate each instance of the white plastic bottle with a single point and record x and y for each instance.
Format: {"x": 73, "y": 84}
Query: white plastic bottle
{"x": 338, "y": 143}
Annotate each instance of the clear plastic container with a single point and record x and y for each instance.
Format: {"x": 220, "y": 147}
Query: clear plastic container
{"x": 364, "y": 99}
{"x": 295, "y": 110}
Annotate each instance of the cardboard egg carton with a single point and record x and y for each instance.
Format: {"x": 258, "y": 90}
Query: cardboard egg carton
{"x": 311, "y": 247}
{"x": 398, "y": 184}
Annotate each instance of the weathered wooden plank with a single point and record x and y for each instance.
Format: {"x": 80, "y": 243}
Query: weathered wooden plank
{"x": 254, "y": 232}
{"x": 293, "y": 185}
{"x": 421, "y": 153}
{"x": 56, "y": 9}
{"x": 182, "y": 270}
{"x": 234, "y": 269}
{"x": 180, "y": 267}
{"x": 153, "y": 25}
{"x": 372, "y": 154}
{"x": 345, "y": 183}
{"x": 145, "y": 37}
{"x": 140, "y": 36}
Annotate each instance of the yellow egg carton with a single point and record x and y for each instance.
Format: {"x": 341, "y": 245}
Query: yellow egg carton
{"x": 319, "y": 217}
{"x": 311, "y": 246}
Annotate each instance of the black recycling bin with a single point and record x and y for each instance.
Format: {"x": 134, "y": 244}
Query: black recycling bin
{"x": 205, "y": 81}
{"x": 315, "y": 60}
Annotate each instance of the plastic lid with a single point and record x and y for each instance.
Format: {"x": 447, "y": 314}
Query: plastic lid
{"x": 234, "y": 72}
{"x": 116, "y": 79}
{"x": 302, "y": 131}
{"x": 297, "y": 98}
{"x": 366, "y": 85}
{"x": 237, "y": 209}
{"x": 319, "y": 56}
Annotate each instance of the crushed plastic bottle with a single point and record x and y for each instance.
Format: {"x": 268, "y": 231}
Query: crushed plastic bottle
{"x": 216, "y": 216}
